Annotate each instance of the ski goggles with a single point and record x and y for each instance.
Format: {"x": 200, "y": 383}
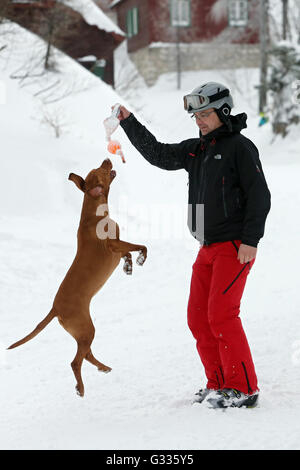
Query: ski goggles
{"x": 195, "y": 102}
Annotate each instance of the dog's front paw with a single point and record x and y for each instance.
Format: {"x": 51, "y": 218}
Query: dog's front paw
{"x": 141, "y": 258}
{"x": 127, "y": 268}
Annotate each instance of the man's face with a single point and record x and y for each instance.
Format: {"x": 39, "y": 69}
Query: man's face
{"x": 207, "y": 120}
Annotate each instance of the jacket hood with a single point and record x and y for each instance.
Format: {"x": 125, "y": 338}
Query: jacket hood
{"x": 233, "y": 125}
{"x": 238, "y": 122}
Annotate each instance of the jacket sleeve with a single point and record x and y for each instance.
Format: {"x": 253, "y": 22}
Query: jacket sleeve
{"x": 258, "y": 196}
{"x": 165, "y": 156}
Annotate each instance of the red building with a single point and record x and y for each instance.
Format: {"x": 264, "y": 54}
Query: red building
{"x": 92, "y": 43}
{"x": 208, "y": 33}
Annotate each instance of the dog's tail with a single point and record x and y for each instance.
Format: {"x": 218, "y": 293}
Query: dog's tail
{"x": 37, "y": 330}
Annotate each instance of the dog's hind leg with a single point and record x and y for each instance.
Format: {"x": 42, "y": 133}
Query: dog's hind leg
{"x": 83, "y": 347}
{"x": 76, "y": 366}
{"x": 102, "y": 367}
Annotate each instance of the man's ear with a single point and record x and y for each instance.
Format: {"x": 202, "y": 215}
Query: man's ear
{"x": 78, "y": 180}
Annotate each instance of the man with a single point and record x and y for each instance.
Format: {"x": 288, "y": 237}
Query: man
{"x": 225, "y": 174}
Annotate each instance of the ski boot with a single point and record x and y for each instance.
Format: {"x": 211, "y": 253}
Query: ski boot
{"x": 232, "y": 398}
{"x": 202, "y": 394}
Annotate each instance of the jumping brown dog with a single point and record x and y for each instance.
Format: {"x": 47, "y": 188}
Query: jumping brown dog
{"x": 99, "y": 251}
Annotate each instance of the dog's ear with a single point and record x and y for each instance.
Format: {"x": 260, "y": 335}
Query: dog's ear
{"x": 78, "y": 180}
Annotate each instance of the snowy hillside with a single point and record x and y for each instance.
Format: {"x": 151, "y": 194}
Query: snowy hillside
{"x": 141, "y": 330}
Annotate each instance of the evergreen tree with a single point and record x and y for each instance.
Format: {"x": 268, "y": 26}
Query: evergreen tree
{"x": 284, "y": 77}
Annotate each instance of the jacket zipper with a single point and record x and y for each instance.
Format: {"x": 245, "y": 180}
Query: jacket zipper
{"x": 224, "y": 200}
{"x": 202, "y": 186}
{"x": 200, "y": 191}
{"x": 200, "y": 195}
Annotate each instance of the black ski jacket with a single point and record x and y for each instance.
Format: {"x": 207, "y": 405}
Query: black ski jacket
{"x": 225, "y": 174}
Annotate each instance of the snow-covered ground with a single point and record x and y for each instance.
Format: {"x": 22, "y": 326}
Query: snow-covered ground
{"x": 141, "y": 330}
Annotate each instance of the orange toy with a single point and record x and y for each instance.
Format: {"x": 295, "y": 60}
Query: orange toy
{"x": 114, "y": 147}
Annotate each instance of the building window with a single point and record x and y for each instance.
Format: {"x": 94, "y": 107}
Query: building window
{"x": 238, "y": 12}
{"x": 180, "y": 12}
{"x": 132, "y": 22}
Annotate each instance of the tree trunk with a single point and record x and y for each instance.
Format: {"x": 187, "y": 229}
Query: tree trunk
{"x": 264, "y": 42}
{"x": 49, "y": 44}
{"x": 284, "y": 19}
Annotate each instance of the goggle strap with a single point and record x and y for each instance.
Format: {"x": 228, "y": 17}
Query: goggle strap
{"x": 218, "y": 96}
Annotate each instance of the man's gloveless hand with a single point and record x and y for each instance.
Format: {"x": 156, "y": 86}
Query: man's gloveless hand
{"x": 246, "y": 253}
{"x": 123, "y": 113}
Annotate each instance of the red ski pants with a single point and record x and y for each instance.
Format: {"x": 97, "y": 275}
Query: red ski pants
{"x": 217, "y": 285}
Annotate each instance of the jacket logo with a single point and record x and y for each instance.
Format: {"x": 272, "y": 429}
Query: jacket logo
{"x": 218, "y": 156}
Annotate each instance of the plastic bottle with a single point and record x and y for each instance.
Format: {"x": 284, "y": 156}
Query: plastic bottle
{"x": 111, "y": 124}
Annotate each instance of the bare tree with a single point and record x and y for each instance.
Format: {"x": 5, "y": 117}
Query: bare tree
{"x": 49, "y": 19}
{"x": 56, "y": 21}
{"x": 4, "y": 5}
{"x": 55, "y": 119}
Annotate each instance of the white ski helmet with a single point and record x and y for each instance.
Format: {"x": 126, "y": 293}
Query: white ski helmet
{"x": 210, "y": 95}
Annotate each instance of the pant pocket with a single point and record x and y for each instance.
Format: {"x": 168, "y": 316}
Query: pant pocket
{"x": 246, "y": 266}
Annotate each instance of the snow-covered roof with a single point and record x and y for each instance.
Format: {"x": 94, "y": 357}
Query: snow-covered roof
{"x": 87, "y": 58}
{"x": 93, "y": 15}
{"x": 115, "y": 2}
